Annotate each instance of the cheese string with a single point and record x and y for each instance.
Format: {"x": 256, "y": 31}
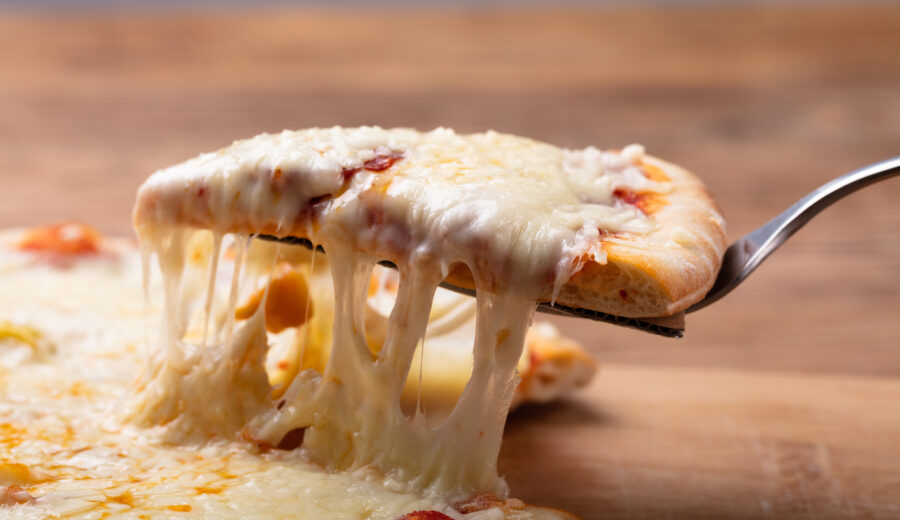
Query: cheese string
{"x": 240, "y": 246}
{"x": 146, "y": 252}
{"x": 306, "y": 325}
{"x": 210, "y": 289}
{"x": 351, "y": 413}
{"x": 171, "y": 255}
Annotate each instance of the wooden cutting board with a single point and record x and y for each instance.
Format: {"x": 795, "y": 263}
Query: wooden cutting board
{"x": 651, "y": 442}
{"x": 782, "y": 401}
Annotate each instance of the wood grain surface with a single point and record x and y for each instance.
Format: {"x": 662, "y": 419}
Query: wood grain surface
{"x": 783, "y": 400}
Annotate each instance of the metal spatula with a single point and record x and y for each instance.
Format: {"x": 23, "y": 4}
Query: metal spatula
{"x": 741, "y": 258}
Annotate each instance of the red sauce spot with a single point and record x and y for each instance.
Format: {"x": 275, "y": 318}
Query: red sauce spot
{"x": 65, "y": 238}
{"x": 623, "y": 294}
{"x": 638, "y": 200}
{"x": 379, "y": 163}
{"x": 628, "y": 197}
{"x": 426, "y": 515}
{"x": 201, "y": 192}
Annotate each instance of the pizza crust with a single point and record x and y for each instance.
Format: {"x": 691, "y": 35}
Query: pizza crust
{"x": 676, "y": 272}
{"x": 654, "y": 275}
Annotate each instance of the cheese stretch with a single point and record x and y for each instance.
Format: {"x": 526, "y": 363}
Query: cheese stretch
{"x": 519, "y": 216}
{"x": 70, "y": 349}
{"x": 517, "y": 213}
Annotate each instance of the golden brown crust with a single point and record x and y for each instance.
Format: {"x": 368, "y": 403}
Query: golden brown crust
{"x": 661, "y": 273}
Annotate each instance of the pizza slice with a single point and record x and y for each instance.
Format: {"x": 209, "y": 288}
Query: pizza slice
{"x": 517, "y": 220}
{"x": 616, "y": 231}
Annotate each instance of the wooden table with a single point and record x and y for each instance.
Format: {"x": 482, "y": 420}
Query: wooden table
{"x": 783, "y": 401}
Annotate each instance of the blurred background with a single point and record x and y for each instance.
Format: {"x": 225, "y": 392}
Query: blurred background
{"x": 781, "y": 401}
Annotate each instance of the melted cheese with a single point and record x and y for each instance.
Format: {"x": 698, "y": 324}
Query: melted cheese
{"x": 490, "y": 198}
{"x": 66, "y": 453}
{"x": 517, "y": 213}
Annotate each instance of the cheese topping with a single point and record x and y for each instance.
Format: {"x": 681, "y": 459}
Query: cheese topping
{"x": 516, "y": 213}
{"x": 63, "y": 454}
{"x": 401, "y": 193}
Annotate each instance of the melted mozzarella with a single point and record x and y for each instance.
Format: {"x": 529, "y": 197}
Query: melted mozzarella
{"x": 492, "y": 198}
{"x": 517, "y": 213}
{"x": 62, "y": 440}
